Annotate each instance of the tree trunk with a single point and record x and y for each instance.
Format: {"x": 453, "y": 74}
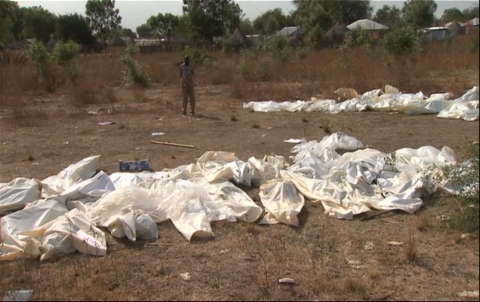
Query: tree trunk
{"x": 105, "y": 46}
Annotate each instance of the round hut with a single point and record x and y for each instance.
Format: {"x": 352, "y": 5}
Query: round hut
{"x": 239, "y": 40}
{"x": 336, "y": 34}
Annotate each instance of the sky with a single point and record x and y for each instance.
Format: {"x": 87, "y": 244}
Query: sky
{"x": 136, "y": 12}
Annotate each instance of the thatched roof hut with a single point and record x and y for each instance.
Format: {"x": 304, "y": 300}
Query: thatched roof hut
{"x": 336, "y": 34}
{"x": 239, "y": 40}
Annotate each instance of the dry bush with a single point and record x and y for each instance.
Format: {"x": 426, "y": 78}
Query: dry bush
{"x": 12, "y": 57}
{"x": 139, "y": 96}
{"x": 86, "y": 91}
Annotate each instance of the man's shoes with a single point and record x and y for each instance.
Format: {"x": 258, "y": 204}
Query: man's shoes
{"x": 193, "y": 113}
{"x": 184, "y": 113}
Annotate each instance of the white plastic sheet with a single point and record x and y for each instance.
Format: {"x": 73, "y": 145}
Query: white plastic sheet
{"x": 78, "y": 200}
{"x": 465, "y": 107}
{"x": 281, "y": 201}
{"x": 17, "y": 193}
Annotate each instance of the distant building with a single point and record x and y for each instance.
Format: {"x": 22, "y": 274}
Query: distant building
{"x": 456, "y": 27}
{"x": 291, "y": 31}
{"x": 471, "y": 26}
{"x": 366, "y": 24}
{"x": 437, "y": 33}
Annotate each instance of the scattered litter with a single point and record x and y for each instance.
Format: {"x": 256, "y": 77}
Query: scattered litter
{"x": 369, "y": 245}
{"x": 173, "y": 144}
{"x": 135, "y": 166}
{"x": 468, "y": 294}
{"x": 475, "y": 143}
{"x": 263, "y": 135}
{"x": 18, "y": 295}
{"x": 286, "y": 281}
{"x": 269, "y": 128}
{"x": 158, "y": 133}
{"x": 35, "y": 164}
{"x": 160, "y": 118}
{"x": 356, "y": 264}
{"x": 92, "y": 112}
{"x": 224, "y": 251}
{"x": 395, "y": 243}
{"x": 466, "y": 236}
{"x": 93, "y": 138}
{"x": 293, "y": 141}
{"x": 66, "y": 143}
{"x": 138, "y": 148}
{"x": 443, "y": 217}
{"x": 106, "y": 123}
{"x": 185, "y": 276}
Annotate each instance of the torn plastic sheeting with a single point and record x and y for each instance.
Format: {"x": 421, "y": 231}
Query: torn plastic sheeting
{"x": 95, "y": 187}
{"x": 282, "y": 202}
{"x": 264, "y": 170}
{"x": 74, "y": 173}
{"x": 372, "y": 100}
{"x": 134, "y": 227}
{"x": 232, "y": 201}
{"x": 468, "y": 111}
{"x": 26, "y": 220}
{"x": 17, "y": 193}
{"x": 68, "y": 233}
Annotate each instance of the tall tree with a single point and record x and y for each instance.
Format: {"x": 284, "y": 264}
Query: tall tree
{"x": 318, "y": 16}
{"x": 452, "y": 14}
{"x": 212, "y": 18}
{"x": 37, "y": 23}
{"x": 143, "y": 31}
{"x": 246, "y": 27}
{"x": 127, "y": 32}
{"x": 272, "y": 21}
{"x": 419, "y": 13}
{"x": 163, "y": 25}
{"x": 471, "y": 12}
{"x": 7, "y": 17}
{"x": 390, "y": 16}
{"x": 103, "y": 18}
{"x": 74, "y": 27}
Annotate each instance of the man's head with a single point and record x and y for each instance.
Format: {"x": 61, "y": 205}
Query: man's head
{"x": 187, "y": 60}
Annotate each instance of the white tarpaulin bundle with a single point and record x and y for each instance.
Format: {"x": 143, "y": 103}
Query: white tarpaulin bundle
{"x": 64, "y": 212}
{"x": 465, "y": 107}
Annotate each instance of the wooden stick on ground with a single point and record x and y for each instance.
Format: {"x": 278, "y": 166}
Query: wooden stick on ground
{"x": 173, "y": 144}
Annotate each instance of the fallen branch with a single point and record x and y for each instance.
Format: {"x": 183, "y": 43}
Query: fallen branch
{"x": 173, "y": 144}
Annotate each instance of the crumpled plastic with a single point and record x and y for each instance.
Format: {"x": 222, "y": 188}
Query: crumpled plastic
{"x": 466, "y": 107}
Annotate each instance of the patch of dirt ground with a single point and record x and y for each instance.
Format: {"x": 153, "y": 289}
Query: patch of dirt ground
{"x": 242, "y": 262}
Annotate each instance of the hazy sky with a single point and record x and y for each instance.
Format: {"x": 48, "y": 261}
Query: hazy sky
{"x": 136, "y": 12}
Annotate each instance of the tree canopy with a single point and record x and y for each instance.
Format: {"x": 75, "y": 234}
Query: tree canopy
{"x": 318, "y": 16}
{"x": 103, "y": 17}
{"x": 390, "y": 16}
{"x": 211, "y": 18}
{"x": 74, "y": 27}
{"x": 419, "y": 13}
{"x": 272, "y": 21}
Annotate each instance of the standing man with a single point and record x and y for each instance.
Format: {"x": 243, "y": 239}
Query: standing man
{"x": 186, "y": 74}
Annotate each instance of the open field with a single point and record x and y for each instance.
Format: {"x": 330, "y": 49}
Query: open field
{"x": 43, "y": 132}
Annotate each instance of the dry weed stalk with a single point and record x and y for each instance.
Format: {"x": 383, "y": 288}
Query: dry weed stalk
{"x": 410, "y": 249}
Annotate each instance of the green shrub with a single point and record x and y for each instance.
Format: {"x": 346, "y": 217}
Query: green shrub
{"x": 195, "y": 54}
{"x": 227, "y": 47}
{"x": 302, "y": 53}
{"x": 135, "y": 73}
{"x": 474, "y": 42}
{"x": 464, "y": 178}
{"x": 64, "y": 54}
{"x": 38, "y": 53}
{"x": 264, "y": 67}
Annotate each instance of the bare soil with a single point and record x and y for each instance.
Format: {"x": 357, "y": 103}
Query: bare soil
{"x": 243, "y": 262}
